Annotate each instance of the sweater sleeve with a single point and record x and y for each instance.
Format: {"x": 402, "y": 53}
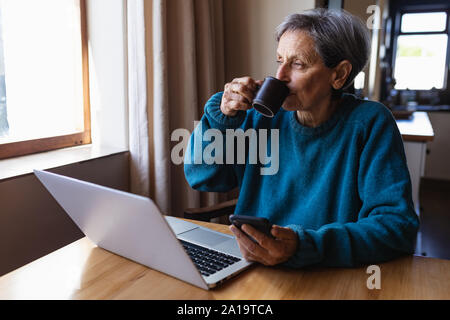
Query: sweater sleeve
{"x": 205, "y": 165}
{"x": 387, "y": 223}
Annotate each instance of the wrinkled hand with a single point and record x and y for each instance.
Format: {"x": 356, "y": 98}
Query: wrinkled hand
{"x": 238, "y": 95}
{"x": 267, "y": 251}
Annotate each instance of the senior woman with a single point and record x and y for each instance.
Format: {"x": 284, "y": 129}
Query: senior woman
{"x": 342, "y": 194}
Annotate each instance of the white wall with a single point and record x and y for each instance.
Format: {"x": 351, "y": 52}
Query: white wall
{"x": 108, "y": 72}
{"x": 250, "y": 44}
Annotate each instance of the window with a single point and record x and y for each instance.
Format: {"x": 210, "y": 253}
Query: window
{"x": 44, "y": 89}
{"x": 422, "y": 45}
{"x": 423, "y": 22}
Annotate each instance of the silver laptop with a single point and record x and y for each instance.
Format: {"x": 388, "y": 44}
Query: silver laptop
{"x": 133, "y": 227}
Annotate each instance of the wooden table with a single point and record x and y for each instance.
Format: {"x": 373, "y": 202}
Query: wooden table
{"x": 83, "y": 271}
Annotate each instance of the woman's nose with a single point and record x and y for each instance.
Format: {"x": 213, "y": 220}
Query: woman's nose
{"x": 282, "y": 73}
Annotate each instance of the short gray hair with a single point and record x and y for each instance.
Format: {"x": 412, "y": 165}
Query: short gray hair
{"x": 338, "y": 35}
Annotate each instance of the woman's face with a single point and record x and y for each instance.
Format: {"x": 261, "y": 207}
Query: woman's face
{"x": 302, "y": 69}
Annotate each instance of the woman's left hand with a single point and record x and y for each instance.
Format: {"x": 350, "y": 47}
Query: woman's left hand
{"x": 268, "y": 251}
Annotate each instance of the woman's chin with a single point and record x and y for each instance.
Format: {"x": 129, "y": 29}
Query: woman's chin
{"x": 291, "y": 105}
{"x": 289, "y": 108}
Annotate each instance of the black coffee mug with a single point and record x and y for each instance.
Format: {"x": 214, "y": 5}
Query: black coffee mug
{"x": 270, "y": 96}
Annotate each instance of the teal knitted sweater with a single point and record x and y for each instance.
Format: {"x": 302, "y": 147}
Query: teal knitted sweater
{"x": 343, "y": 187}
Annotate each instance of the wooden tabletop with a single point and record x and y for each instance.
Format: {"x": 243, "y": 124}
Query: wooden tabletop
{"x": 81, "y": 270}
{"x": 417, "y": 129}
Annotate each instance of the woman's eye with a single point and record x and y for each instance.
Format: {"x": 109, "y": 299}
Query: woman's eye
{"x": 298, "y": 64}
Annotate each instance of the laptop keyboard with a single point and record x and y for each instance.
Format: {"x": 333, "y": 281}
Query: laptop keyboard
{"x": 208, "y": 261}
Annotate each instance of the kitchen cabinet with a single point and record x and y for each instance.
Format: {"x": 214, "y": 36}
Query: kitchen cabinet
{"x": 416, "y": 133}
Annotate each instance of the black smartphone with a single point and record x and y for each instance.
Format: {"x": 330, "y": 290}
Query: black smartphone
{"x": 260, "y": 224}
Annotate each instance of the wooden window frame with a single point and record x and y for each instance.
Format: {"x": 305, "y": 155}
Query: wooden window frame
{"x": 20, "y": 148}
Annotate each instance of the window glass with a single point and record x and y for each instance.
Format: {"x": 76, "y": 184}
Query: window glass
{"x": 420, "y": 61}
{"x": 423, "y": 22}
{"x": 41, "y": 84}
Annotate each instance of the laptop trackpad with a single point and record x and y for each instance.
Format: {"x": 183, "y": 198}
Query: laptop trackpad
{"x": 206, "y": 237}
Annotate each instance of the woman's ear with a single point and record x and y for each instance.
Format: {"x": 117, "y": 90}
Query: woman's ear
{"x": 340, "y": 74}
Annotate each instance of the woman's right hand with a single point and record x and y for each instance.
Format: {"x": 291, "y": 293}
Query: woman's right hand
{"x": 238, "y": 95}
